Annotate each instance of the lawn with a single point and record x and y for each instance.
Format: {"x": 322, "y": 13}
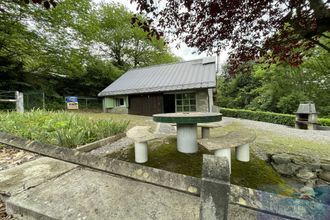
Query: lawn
{"x": 272, "y": 143}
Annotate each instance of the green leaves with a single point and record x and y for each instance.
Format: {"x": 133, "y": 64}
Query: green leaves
{"x": 77, "y": 47}
{"x": 59, "y": 128}
{"x": 279, "y": 87}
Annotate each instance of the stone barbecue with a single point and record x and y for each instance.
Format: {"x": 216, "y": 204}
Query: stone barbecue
{"x": 306, "y": 116}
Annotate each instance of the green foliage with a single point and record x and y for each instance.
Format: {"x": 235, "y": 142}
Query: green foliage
{"x": 271, "y": 117}
{"x": 77, "y": 48}
{"x": 288, "y": 104}
{"x": 279, "y": 88}
{"x": 59, "y": 128}
{"x": 324, "y": 121}
{"x": 237, "y": 91}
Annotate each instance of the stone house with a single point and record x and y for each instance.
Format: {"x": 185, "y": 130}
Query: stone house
{"x": 177, "y": 87}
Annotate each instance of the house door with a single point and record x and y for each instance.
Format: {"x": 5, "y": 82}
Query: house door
{"x": 169, "y": 103}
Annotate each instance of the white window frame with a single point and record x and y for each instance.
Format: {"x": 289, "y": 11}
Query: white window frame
{"x": 191, "y": 107}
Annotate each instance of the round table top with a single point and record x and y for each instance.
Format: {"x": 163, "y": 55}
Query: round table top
{"x": 187, "y": 117}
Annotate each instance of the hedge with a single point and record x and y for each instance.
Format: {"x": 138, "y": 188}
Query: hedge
{"x": 324, "y": 121}
{"x": 276, "y": 118}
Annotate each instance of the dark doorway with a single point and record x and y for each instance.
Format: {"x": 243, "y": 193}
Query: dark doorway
{"x": 169, "y": 103}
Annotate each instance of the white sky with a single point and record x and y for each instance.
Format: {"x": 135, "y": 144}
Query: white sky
{"x": 185, "y": 52}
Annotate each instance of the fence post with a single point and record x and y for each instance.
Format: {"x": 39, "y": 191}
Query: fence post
{"x": 43, "y": 101}
{"x": 19, "y": 101}
{"x": 215, "y": 188}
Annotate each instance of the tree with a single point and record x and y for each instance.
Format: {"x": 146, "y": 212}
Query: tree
{"x": 46, "y": 3}
{"x": 279, "y": 87}
{"x": 57, "y": 50}
{"x": 128, "y": 44}
{"x": 251, "y": 28}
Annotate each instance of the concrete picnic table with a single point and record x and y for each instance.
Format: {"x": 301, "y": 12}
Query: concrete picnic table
{"x": 187, "y": 127}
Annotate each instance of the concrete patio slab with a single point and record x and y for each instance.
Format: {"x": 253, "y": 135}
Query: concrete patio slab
{"x": 31, "y": 174}
{"x": 89, "y": 194}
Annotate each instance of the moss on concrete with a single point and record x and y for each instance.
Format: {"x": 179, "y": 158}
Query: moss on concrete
{"x": 255, "y": 174}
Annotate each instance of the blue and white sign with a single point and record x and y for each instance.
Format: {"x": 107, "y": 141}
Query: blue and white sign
{"x": 71, "y": 99}
{"x": 71, "y": 102}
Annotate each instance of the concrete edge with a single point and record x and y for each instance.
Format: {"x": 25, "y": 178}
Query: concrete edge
{"x": 24, "y": 213}
{"x": 139, "y": 172}
{"x": 100, "y": 143}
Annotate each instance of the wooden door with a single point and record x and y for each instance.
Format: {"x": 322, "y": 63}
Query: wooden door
{"x": 147, "y": 104}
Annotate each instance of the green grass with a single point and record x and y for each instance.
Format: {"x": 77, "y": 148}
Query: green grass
{"x": 60, "y": 128}
{"x": 134, "y": 120}
{"x": 272, "y": 143}
{"x": 255, "y": 174}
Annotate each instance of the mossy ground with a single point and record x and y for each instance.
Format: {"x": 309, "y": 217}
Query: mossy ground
{"x": 255, "y": 174}
{"x": 273, "y": 143}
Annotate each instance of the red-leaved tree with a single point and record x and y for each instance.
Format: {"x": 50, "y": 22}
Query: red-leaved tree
{"x": 278, "y": 29}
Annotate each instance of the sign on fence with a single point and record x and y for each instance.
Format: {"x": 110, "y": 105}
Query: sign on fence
{"x": 71, "y": 102}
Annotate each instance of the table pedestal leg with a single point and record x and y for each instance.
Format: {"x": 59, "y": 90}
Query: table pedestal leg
{"x": 187, "y": 138}
{"x": 243, "y": 153}
{"x": 224, "y": 153}
{"x": 141, "y": 152}
{"x": 205, "y": 132}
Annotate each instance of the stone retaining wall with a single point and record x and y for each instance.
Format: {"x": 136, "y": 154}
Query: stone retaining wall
{"x": 306, "y": 169}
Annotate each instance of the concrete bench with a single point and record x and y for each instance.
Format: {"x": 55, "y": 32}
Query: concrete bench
{"x": 221, "y": 146}
{"x": 141, "y": 135}
{"x": 206, "y": 128}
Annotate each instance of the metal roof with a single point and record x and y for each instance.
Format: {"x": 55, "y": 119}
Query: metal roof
{"x": 192, "y": 74}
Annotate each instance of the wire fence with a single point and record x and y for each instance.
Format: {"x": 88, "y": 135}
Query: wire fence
{"x": 7, "y": 95}
{"x": 40, "y": 100}
{"x": 34, "y": 100}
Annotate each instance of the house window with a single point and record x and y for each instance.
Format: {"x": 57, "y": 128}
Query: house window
{"x": 185, "y": 102}
{"x": 120, "y": 102}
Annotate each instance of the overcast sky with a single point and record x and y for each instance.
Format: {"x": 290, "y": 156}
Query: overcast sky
{"x": 184, "y": 51}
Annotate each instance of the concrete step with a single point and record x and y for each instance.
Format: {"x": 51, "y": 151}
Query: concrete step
{"x": 31, "y": 174}
{"x": 88, "y": 194}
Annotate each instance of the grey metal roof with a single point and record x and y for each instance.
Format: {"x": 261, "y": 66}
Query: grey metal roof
{"x": 192, "y": 74}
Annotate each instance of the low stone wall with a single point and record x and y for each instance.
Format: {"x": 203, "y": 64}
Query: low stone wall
{"x": 118, "y": 110}
{"x": 305, "y": 168}
{"x": 100, "y": 143}
{"x": 323, "y": 128}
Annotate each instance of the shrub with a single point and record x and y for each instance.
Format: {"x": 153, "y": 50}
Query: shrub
{"x": 271, "y": 117}
{"x": 276, "y": 118}
{"x": 59, "y": 128}
{"x": 324, "y": 121}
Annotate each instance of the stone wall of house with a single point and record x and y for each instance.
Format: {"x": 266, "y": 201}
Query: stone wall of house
{"x": 118, "y": 110}
{"x": 202, "y": 101}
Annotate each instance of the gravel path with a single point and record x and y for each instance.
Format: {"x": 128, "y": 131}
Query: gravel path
{"x": 282, "y": 130}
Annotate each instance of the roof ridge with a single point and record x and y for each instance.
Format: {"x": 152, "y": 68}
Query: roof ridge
{"x": 164, "y": 64}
